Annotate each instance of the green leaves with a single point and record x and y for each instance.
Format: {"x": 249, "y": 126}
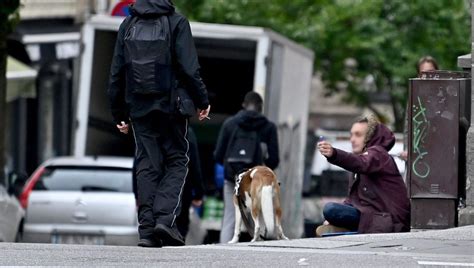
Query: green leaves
{"x": 8, "y": 6}
{"x": 383, "y": 38}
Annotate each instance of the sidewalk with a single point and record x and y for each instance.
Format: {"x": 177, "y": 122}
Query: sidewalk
{"x": 440, "y": 248}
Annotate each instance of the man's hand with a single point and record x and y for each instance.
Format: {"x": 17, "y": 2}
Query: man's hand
{"x": 325, "y": 148}
{"x": 123, "y": 127}
{"x": 204, "y": 113}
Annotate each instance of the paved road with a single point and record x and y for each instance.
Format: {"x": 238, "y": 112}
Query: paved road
{"x": 446, "y": 248}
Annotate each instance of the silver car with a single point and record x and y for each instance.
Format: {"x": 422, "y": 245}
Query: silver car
{"x": 81, "y": 201}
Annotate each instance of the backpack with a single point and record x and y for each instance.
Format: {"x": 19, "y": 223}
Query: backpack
{"x": 243, "y": 151}
{"x": 147, "y": 52}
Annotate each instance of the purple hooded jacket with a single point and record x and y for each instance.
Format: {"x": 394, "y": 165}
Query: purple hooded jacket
{"x": 377, "y": 190}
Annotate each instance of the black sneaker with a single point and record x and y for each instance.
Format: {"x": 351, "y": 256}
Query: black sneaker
{"x": 148, "y": 243}
{"x": 170, "y": 236}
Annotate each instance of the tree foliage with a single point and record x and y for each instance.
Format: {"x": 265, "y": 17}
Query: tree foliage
{"x": 363, "y": 48}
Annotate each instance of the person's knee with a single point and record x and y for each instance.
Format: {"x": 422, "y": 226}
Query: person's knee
{"x": 329, "y": 210}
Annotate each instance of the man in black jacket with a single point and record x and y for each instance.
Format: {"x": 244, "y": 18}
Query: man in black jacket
{"x": 250, "y": 118}
{"x": 160, "y": 131}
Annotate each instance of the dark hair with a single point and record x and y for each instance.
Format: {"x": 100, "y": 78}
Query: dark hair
{"x": 253, "y": 99}
{"x": 426, "y": 59}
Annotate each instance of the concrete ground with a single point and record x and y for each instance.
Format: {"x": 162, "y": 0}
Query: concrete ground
{"x": 438, "y": 248}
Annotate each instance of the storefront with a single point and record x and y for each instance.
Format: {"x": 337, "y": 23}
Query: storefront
{"x": 21, "y": 86}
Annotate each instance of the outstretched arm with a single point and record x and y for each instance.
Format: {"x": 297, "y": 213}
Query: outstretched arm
{"x": 374, "y": 160}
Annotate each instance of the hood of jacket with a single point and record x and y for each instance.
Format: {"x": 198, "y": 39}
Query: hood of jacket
{"x": 150, "y": 8}
{"x": 250, "y": 120}
{"x": 382, "y": 136}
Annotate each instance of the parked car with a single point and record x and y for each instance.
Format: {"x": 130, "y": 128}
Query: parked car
{"x": 86, "y": 200}
{"x": 11, "y": 215}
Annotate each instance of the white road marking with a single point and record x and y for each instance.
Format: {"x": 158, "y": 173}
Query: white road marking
{"x": 439, "y": 263}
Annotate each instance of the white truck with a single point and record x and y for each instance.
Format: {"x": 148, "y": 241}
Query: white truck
{"x": 234, "y": 60}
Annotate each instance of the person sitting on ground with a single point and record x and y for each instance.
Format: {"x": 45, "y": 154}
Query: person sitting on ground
{"x": 378, "y": 200}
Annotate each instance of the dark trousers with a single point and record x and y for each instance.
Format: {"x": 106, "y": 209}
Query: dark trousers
{"x": 161, "y": 160}
{"x": 341, "y": 215}
{"x": 182, "y": 221}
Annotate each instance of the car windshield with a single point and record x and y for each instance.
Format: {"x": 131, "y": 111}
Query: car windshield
{"x": 87, "y": 179}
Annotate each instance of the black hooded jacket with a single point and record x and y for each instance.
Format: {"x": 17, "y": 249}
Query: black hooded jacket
{"x": 249, "y": 120}
{"x": 125, "y": 104}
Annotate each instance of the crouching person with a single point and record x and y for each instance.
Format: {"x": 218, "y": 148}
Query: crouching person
{"x": 378, "y": 200}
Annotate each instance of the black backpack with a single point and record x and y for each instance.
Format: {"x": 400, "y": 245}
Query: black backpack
{"x": 147, "y": 53}
{"x": 243, "y": 151}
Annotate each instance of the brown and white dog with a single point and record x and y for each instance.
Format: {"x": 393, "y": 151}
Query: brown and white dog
{"x": 257, "y": 190}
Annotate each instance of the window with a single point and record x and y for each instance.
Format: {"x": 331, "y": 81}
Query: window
{"x": 85, "y": 179}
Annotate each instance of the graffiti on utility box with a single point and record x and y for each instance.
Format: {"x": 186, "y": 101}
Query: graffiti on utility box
{"x": 421, "y": 126}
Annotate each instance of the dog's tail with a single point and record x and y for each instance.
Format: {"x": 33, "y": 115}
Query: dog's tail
{"x": 267, "y": 210}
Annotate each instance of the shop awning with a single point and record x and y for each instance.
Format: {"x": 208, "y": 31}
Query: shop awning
{"x": 20, "y": 80}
